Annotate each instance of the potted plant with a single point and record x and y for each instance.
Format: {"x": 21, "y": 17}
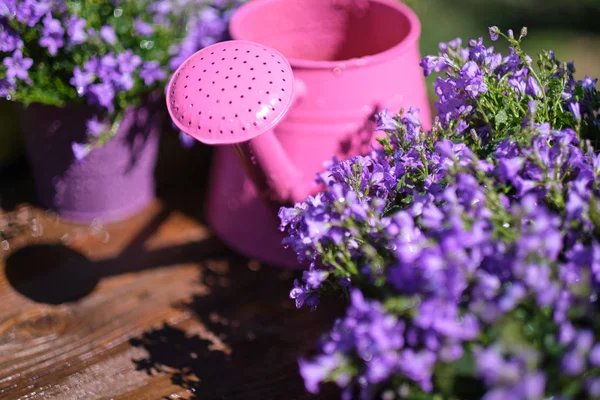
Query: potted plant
{"x": 470, "y": 253}
{"x": 90, "y": 75}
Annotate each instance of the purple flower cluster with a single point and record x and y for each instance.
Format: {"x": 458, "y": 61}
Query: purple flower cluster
{"x": 16, "y": 65}
{"x": 209, "y": 27}
{"x": 470, "y": 77}
{"x": 107, "y": 68}
{"x": 478, "y": 248}
{"x": 375, "y": 336}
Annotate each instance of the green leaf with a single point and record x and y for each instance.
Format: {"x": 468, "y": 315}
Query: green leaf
{"x": 555, "y": 88}
{"x": 400, "y": 305}
{"x": 595, "y": 214}
{"x": 501, "y": 118}
{"x": 572, "y": 389}
{"x": 444, "y": 378}
{"x": 508, "y": 333}
{"x": 458, "y": 379}
{"x": 579, "y": 92}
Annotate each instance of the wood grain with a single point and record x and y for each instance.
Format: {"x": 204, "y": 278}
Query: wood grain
{"x": 153, "y": 307}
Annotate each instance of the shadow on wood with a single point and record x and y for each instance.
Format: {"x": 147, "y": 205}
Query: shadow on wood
{"x": 260, "y": 338}
{"x": 55, "y": 274}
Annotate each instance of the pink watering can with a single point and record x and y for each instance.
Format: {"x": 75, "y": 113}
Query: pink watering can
{"x": 299, "y": 84}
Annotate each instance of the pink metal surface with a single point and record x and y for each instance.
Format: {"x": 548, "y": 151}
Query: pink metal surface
{"x": 230, "y": 92}
{"x": 352, "y": 58}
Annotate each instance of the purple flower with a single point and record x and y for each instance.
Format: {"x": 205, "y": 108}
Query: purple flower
{"x": 385, "y": 122}
{"x": 160, "y": 10}
{"x": 595, "y": 356}
{"x": 124, "y": 82}
{"x": 437, "y": 64}
{"x": 102, "y": 94}
{"x": 209, "y": 27}
{"x": 508, "y": 168}
{"x": 151, "y": 72}
{"x": 575, "y": 110}
{"x": 573, "y": 363}
{"x": 589, "y": 83}
{"x": 494, "y": 368}
{"x": 53, "y": 35}
{"x": 533, "y": 88}
{"x": 17, "y": 66}
{"x": 316, "y": 371}
{"x": 76, "y": 30}
{"x": 95, "y": 127}
{"x": 593, "y": 387}
{"x": 418, "y": 367}
{"x": 29, "y": 12}
{"x": 314, "y": 278}
{"x": 302, "y": 295}
{"x": 81, "y": 80}
{"x": 128, "y": 61}
{"x": 107, "y": 33}
{"x": 142, "y": 28}
{"x": 9, "y": 39}
{"x": 80, "y": 151}
{"x": 566, "y": 333}
{"x": 494, "y": 31}
{"x": 473, "y": 79}
{"x": 107, "y": 68}
{"x": 6, "y": 87}
{"x": 428, "y": 64}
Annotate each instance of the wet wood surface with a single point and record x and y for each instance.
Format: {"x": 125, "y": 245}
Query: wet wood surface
{"x": 154, "y": 307}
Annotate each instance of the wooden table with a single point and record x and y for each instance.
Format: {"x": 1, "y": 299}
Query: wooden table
{"x": 150, "y": 308}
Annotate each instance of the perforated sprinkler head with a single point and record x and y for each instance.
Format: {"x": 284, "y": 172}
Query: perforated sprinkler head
{"x": 230, "y": 92}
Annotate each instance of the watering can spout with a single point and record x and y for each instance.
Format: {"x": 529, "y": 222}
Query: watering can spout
{"x": 273, "y": 173}
{"x": 234, "y": 93}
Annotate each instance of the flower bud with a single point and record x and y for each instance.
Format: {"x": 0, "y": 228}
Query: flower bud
{"x": 523, "y": 31}
{"x": 494, "y": 32}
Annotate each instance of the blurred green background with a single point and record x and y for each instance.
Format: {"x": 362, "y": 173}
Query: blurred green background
{"x": 569, "y": 27}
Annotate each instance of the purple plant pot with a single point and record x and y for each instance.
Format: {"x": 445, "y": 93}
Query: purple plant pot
{"x": 113, "y": 182}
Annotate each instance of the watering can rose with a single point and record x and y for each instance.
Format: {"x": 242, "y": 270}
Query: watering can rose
{"x": 471, "y": 252}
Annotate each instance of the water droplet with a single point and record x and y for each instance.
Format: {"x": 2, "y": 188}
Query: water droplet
{"x": 360, "y": 62}
{"x": 593, "y": 297}
{"x": 337, "y": 71}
